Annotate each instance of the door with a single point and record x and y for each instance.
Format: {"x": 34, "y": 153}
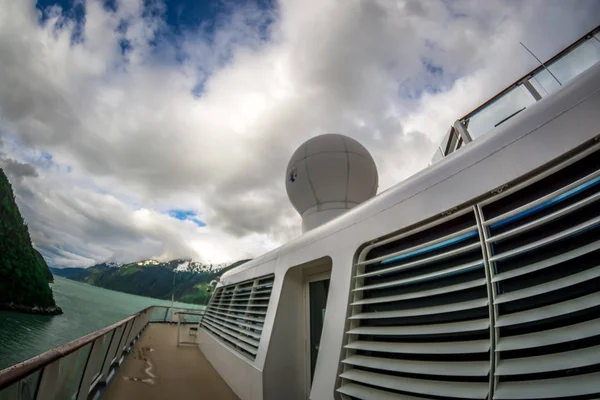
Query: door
{"x": 317, "y": 301}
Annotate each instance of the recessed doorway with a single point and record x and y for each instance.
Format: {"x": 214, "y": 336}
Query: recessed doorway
{"x": 316, "y": 291}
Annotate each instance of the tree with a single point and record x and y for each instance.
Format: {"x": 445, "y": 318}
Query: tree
{"x": 23, "y": 271}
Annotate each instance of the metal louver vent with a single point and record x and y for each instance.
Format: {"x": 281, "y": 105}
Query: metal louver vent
{"x": 543, "y": 242}
{"x": 236, "y": 314}
{"x": 420, "y": 311}
{"x": 420, "y": 323}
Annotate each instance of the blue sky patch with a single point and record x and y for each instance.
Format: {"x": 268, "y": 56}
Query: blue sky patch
{"x": 42, "y": 160}
{"x": 432, "y": 68}
{"x": 186, "y": 215}
{"x": 179, "y": 15}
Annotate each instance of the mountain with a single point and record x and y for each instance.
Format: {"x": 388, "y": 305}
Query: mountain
{"x": 24, "y": 275}
{"x": 187, "y": 279}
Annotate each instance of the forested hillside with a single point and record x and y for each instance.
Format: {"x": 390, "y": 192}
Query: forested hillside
{"x": 24, "y": 275}
{"x": 152, "y": 278}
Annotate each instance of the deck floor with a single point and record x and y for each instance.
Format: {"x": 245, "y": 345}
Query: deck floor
{"x": 158, "y": 369}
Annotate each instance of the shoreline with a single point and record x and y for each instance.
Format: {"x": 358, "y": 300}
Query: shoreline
{"x": 193, "y": 305}
{"x": 37, "y": 310}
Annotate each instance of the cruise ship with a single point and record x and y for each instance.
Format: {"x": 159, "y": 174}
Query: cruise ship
{"x": 476, "y": 278}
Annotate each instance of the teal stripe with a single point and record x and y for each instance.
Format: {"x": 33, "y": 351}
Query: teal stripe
{"x": 431, "y": 248}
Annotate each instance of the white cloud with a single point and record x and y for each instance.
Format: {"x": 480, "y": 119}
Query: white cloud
{"x": 130, "y": 140}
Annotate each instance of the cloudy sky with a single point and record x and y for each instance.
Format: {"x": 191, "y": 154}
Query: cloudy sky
{"x": 135, "y": 129}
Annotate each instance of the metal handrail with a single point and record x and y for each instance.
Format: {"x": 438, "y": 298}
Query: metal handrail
{"x": 14, "y": 373}
{"x": 108, "y": 358}
{"x": 534, "y": 71}
{"x": 200, "y": 314}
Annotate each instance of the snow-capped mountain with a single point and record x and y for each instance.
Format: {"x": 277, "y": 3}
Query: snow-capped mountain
{"x": 153, "y": 278}
{"x": 181, "y": 265}
{"x": 113, "y": 264}
{"x": 197, "y": 266}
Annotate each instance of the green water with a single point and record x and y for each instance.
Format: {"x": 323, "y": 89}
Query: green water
{"x": 86, "y": 309}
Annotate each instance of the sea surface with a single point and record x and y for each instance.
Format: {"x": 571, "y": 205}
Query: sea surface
{"x": 86, "y": 309}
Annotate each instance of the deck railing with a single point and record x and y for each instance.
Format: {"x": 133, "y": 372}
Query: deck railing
{"x": 82, "y": 368}
{"x": 527, "y": 90}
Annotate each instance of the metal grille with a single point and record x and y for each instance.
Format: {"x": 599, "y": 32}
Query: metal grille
{"x": 420, "y": 311}
{"x": 236, "y": 314}
{"x": 543, "y": 242}
{"x": 420, "y": 316}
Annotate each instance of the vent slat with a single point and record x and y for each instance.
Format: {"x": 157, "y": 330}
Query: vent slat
{"x": 418, "y": 247}
{"x": 426, "y": 277}
{"x": 243, "y": 338}
{"x": 561, "y": 283}
{"x": 245, "y": 318}
{"x": 252, "y": 299}
{"x": 548, "y": 337}
{"x": 235, "y": 329}
{"x": 368, "y": 393}
{"x": 423, "y": 261}
{"x": 246, "y": 294}
{"x": 550, "y": 362}
{"x": 444, "y": 308}
{"x": 424, "y": 293}
{"x": 568, "y": 190}
{"x": 467, "y": 390}
{"x": 553, "y": 310}
{"x": 238, "y": 306}
{"x": 453, "y": 327}
{"x": 548, "y": 240}
{"x": 472, "y": 368}
{"x": 474, "y": 346}
{"x": 238, "y": 311}
{"x": 555, "y": 388}
{"x": 236, "y": 322}
{"x": 548, "y": 262}
{"x": 543, "y": 220}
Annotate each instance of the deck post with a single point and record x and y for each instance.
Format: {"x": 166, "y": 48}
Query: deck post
{"x": 93, "y": 360}
{"x": 178, "y": 327}
{"x": 48, "y": 381}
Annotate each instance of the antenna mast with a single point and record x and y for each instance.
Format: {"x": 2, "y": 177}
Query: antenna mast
{"x": 541, "y": 63}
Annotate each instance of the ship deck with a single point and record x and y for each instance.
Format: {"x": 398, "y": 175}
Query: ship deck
{"x": 158, "y": 369}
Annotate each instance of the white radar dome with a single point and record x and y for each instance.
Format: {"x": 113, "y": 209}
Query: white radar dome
{"x": 328, "y": 175}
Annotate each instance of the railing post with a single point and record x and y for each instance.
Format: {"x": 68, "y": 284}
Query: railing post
{"x": 178, "y": 327}
{"x": 532, "y": 90}
{"x": 110, "y": 354}
{"x": 48, "y": 380}
{"x": 126, "y": 330}
{"x": 462, "y": 131}
{"x": 88, "y": 373}
{"x": 132, "y": 333}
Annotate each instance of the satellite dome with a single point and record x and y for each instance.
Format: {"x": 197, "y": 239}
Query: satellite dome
{"x": 328, "y": 175}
